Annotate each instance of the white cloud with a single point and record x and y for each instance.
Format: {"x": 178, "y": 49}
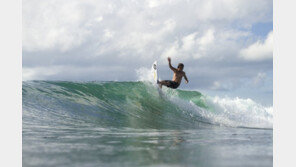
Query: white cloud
{"x": 259, "y": 79}
{"x": 208, "y": 44}
{"x": 156, "y": 3}
{"x": 66, "y": 24}
{"x": 71, "y": 72}
{"x": 39, "y": 73}
{"x": 189, "y": 41}
{"x": 108, "y": 40}
{"x": 108, "y": 34}
{"x": 99, "y": 19}
{"x": 244, "y": 11}
{"x": 259, "y": 50}
{"x": 207, "y": 38}
{"x": 216, "y": 85}
{"x": 46, "y": 25}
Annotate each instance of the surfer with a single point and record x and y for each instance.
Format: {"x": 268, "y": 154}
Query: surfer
{"x": 178, "y": 74}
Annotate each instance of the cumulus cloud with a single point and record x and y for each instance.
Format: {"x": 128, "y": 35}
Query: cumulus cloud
{"x": 38, "y": 72}
{"x": 111, "y": 39}
{"x": 260, "y": 50}
{"x": 190, "y": 46}
{"x": 53, "y": 25}
{"x": 259, "y": 79}
{"x": 67, "y": 24}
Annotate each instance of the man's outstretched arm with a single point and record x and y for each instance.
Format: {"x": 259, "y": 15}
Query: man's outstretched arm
{"x": 186, "y": 79}
{"x": 170, "y": 65}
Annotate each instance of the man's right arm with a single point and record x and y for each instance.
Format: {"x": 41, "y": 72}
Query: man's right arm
{"x": 170, "y": 65}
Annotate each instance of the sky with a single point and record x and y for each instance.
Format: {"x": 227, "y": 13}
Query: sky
{"x": 226, "y": 45}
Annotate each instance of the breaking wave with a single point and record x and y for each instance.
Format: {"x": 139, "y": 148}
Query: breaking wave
{"x": 135, "y": 105}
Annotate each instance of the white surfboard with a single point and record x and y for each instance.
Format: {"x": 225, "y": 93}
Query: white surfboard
{"x": 154, "y": 70}
{"x": 155, "y": 78}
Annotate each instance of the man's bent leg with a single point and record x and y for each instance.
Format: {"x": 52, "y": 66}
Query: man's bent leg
{"x": 166, "y": 83}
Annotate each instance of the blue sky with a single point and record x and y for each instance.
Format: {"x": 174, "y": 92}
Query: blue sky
{"x": 226, "y": 45}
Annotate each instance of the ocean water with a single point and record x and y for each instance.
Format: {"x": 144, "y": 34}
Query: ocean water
{"x": 132, "y": 124}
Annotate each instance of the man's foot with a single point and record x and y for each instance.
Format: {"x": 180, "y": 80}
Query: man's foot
{"x": 160, "y": 86}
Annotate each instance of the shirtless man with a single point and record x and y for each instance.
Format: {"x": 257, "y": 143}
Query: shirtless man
{"x": 178, "y": 74}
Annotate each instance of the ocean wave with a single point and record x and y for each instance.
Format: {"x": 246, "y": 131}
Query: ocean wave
{"x": 135, "y": 105}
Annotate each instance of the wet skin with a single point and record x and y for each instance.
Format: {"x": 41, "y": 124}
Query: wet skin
{"x": 178, "y": 75}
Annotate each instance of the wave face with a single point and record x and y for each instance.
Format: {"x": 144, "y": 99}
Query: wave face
{"x": 135, "y": 105}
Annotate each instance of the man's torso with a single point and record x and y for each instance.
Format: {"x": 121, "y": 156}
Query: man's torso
{"x": 178, "y": 76}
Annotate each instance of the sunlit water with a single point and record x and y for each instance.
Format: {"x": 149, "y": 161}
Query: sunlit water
{"x": 91, "y": 146}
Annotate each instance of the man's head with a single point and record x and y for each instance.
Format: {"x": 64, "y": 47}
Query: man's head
{"x": 180, "y": 66}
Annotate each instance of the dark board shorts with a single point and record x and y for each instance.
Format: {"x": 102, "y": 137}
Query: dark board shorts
{"x": 172, "y": 84}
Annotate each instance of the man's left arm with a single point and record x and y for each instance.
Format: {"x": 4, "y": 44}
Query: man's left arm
{"x": 185, "y": 77}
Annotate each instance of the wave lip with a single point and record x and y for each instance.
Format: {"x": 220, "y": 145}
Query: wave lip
{"x": 136, "y": 105}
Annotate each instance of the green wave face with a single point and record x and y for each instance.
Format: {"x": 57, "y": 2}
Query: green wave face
{"x": 125, "y": 104}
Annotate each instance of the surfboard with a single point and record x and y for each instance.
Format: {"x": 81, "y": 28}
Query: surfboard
{"x": 154, "y": 70}
{"x": 155, "y": 78}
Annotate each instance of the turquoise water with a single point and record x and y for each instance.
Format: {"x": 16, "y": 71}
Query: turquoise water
{"x": 131, "y": 124}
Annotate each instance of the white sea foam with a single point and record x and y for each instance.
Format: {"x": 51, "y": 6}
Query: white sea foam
{"x": 145, "y": 74}
{"x": 241, "y": 112}
{"x": 234, "y": 112}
